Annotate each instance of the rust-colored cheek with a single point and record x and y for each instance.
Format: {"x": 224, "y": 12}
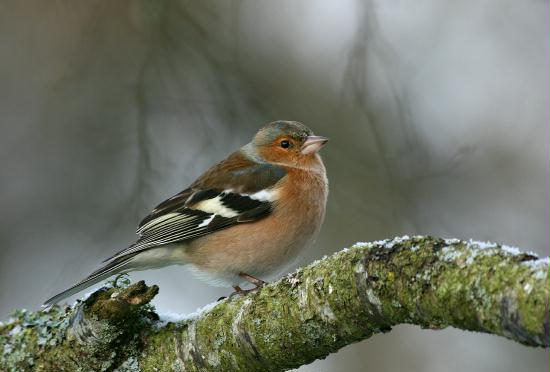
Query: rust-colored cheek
{"x": 276, "y": 154}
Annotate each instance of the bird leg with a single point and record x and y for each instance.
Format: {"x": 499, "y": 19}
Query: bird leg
{"x": 249, "y": 278}
{"x": 258, "y": 283}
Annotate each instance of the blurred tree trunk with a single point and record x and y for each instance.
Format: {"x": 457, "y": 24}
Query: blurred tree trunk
{"x": 319, "y": 309}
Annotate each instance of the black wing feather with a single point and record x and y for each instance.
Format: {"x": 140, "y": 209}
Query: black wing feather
{"x": 182, "y": 222}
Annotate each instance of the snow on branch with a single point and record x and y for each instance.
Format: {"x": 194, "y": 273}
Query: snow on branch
{"x": 350, "y": 296}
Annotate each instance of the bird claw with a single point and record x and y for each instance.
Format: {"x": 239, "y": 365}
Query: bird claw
{"x": 258, "y": 283}
{"x": 240, "y": 291}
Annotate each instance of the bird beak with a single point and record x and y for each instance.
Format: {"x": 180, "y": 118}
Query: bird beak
{"x": 313, "y": 144}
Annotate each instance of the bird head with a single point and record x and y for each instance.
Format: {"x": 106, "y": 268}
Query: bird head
{"x": 288, "y": 143}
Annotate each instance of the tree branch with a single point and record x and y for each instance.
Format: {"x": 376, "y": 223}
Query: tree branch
{"x": 348, "y": 297}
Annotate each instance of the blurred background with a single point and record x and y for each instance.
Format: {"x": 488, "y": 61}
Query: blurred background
{"x": 437, "y": 113}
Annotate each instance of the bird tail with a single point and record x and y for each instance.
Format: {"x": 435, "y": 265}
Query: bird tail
{"x": 116, "y": 266}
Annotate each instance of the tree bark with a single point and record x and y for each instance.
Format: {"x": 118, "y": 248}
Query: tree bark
{"x": 339, "y": 300}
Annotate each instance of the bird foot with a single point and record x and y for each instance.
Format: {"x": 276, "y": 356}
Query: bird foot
{"x": 258, "y": 283}
{"x": 240, "y": 291}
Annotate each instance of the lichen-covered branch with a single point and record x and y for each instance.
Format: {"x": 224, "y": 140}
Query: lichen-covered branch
{"x": 342, "y": 299}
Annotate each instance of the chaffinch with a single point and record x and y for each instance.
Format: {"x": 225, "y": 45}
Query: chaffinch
{"x": 246, "y": 217}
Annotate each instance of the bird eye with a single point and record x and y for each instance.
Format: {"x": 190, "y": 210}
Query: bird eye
{"x": 285, "y": 144}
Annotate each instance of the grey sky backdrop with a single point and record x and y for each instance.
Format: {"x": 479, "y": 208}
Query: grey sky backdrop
{"x": 437, "y": 113}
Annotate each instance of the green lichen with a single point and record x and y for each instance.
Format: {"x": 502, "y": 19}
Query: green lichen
{"x": 462, "y": 284}
{"x": 92, "y": 336}
{"x": 129, "y": 365}
{"x": 29, "y": 333}
{"x": 320, "y": 308}
{"x": 365, "y": 290}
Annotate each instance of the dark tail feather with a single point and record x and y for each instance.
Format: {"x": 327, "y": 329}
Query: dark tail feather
{"x": 113, "y": 267}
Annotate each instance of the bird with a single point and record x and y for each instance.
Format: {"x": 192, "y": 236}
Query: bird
{"x": 247, "y": 217}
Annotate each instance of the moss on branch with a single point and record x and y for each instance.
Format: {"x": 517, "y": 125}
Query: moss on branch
{"x": 348, "y": 297}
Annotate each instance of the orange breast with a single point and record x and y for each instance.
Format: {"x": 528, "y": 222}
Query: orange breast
{"x": 266, "y": 246}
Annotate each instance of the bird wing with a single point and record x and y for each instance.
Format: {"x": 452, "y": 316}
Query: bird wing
{"x": 235, "y": 191}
